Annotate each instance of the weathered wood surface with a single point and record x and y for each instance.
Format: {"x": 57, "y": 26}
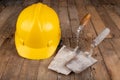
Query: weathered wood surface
{"x": 105, "y": 13}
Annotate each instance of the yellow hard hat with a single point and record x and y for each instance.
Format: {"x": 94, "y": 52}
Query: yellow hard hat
{"x": 37, "y": 32}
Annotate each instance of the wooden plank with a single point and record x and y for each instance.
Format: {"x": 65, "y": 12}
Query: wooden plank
{"x": 74, "y": 19}
{"x": 63, "y": 3}
{"x": 96, "y": 20}
{"x": 47, "y": 2}
{"x": 74, "y": 25}
{"x": 99, "y": 70}
{"x": 9, "y": 2}
{"x": 1, "y": 6}
{"x": 111, "y": 60}
{"x": 44, "y": 73}
{"x": 108, "y": 21}
{"x": 29, "y": 2}
{"x": 11, "y": 63}
{"x": 4, "y": 15}
{"x": 85, "y": 75}
{"x": 4, "y": 55}
{"x": 116, "y": 45}
{"x": 9, "y": 28}
{"x": 19, "y": 2}
{"x": 71, "y": 3}
{"x": 117, "y": 2}
{"x": 103, "y": 2}
{"x": 95, "y": 2}
{"x": 73, "y": 15}
{"x": 7, "y": 31}
{"x": 29, "y": 70}
{"x": 64, "y": 21}
{"x": 13, "y": 67}
{"x": 54, "y": 4}
{"x": 113, "y": 15}
{"x": 80, "y": 8}
{"x": 112, "y": 2}
{"x": 117, "y": 9}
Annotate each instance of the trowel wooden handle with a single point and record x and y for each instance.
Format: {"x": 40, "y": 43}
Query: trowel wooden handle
{"x": 85, "y": 19}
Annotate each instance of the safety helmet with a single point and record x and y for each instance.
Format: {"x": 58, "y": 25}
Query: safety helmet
{"x": 37, "y": 32}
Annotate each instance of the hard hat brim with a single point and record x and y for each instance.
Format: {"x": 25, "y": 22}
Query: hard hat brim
{"x": 33, "y": 53}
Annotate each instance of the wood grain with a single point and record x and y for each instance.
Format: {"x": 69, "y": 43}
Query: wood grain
{"x": 105, "y": 13}
{"x": 8, "y": 28}
{"x": 108, "y": 21}
{"x": 111, "y": 59}
{"x": 116, "y": 45}
{"x": 73, "y": 15}
{"x": 113, "y": 15}
{"x": 64, "y": 20}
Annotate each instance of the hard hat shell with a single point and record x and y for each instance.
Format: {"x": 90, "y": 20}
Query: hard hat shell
{"x": 37, "y": 32}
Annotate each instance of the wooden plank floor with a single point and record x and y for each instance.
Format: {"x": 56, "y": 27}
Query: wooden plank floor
{"x": 105, "y": 13}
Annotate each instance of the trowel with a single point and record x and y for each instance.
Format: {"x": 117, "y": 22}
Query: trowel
{"x": 84, "y": 59}
{"x": 65, "y": 54}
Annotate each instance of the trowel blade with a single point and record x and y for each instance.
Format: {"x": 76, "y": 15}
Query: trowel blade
{"x": 80, "y": 63}
{"x": 63, "y": 56}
